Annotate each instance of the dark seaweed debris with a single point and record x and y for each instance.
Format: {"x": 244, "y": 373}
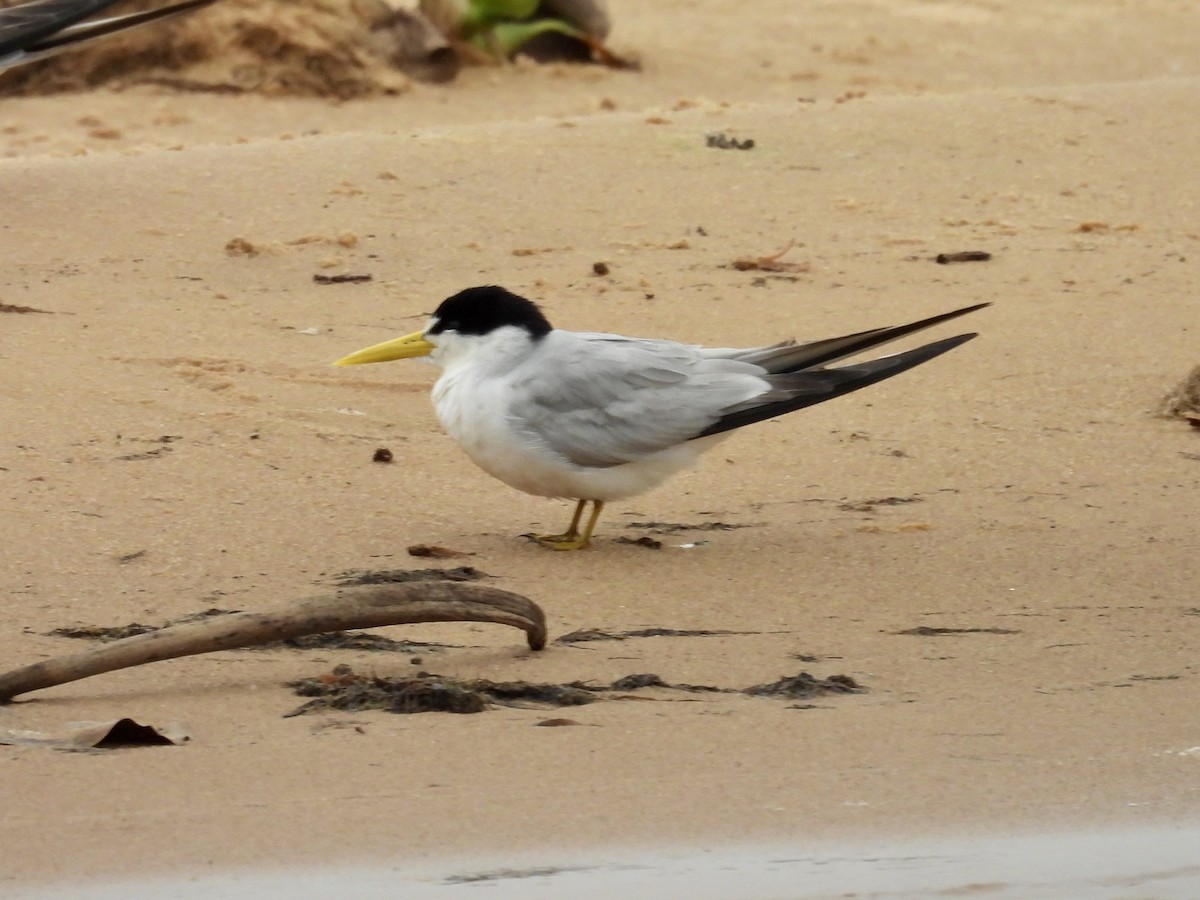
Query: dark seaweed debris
{"x": 931, "y": 631}
{"x": 424, "y": 692}
{"x": 805, "y": 687}
{"x": 594, "y": 634}
{"x": 343, "y": 689}
{"x": 397, "y": 576}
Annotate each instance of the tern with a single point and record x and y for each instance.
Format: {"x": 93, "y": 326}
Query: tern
{"x": 40, "y": 28}
{"x": 600, "y": 417}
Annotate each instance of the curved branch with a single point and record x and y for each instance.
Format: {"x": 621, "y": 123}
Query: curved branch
{"x": 370, "y": 606}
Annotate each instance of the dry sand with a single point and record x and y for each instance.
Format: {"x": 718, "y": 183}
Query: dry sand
{"x": 174, "y": 438}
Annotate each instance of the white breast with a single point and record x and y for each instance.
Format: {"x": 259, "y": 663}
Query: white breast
{"x": 474, "y": 409}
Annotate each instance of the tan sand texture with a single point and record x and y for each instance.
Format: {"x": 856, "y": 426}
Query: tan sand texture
{"x": 175, "y": 439}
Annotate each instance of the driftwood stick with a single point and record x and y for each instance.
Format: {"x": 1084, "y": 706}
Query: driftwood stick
{"x": 370, "y": 606}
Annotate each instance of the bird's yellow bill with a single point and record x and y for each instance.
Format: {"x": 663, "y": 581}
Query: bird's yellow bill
{"x": 397, "y": 348}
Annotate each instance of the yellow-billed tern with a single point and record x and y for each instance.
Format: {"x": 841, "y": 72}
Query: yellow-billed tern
{"x": 600, "y": 417}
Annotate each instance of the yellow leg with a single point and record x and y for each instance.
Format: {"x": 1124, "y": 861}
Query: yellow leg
{"x": 571, "y": 539}
{"x": 597, "y": 508}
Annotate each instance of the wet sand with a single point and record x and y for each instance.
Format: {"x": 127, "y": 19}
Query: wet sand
{"x": 1152, "y": 862}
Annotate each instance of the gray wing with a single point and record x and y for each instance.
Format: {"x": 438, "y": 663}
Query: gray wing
{"x": 602, "y": 400}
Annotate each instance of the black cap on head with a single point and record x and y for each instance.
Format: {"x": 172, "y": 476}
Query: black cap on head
{"x": 480, "y": 310}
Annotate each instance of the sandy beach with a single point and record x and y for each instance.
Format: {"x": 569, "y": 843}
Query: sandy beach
{"x": 998, "y": 547}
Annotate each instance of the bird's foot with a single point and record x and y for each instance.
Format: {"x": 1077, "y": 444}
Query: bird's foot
{"x": 572, "y": 539}
{"x": 568, "y": 541}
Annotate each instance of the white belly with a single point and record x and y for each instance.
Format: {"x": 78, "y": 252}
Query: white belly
{"x": 474, "y": 413}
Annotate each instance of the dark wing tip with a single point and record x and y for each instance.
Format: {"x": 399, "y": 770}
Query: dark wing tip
{"x": 811, "y": 354}
{"x": 818, "y": 385}
{"x": 33, "y": 31}
{"x": 28, "y": 23}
